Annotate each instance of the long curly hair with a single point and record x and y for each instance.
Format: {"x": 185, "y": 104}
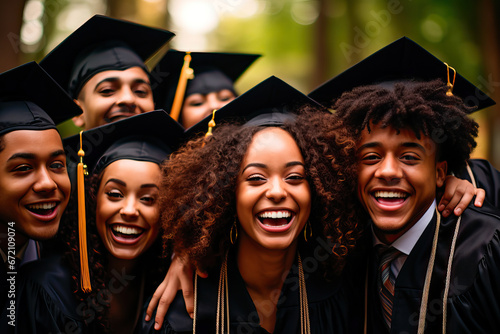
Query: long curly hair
{"x": 197, "y": 193}
{"x": 94, "y": 306}
{"x": 423, "y": 107}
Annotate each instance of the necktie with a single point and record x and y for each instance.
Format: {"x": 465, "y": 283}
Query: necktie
{"x": 386, "y": 281}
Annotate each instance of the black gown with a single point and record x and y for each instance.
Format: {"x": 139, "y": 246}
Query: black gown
{"x": 487, "y": 177}
{"x": 474, "y": 295}
{"x": 45, "y": 299}
{"x": 327, "y": 305}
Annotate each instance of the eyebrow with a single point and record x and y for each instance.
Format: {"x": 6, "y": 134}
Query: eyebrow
{"x": 32, "y": 156}
{"x": 116, "y": 181}
{"x": 260, "y": 165}
{"x": 149, "y": 185}
{"x": 405, "y": 144}
{"x": 115, "y": 79}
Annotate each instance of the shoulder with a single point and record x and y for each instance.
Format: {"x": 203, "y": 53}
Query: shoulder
{"x": 477, "y": 250}
{"x": 48, "y": 279}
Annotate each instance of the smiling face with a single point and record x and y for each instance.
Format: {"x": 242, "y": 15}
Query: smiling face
{"x": 397, "y": 178}
{"x": 34, "y": 183}
{"x": 127, "y": 210}
{"x": 198, "y": 106}
{"x": 273, "y": 198}
{"x": 113, "y": 95}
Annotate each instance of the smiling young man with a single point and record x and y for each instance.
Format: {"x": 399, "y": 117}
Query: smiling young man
{"x": 101, "y": 64}
{"x": 410, "y": 134}
{"x": 34, "y": 184}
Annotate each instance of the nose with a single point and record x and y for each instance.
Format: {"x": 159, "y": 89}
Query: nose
{"x": 44, "y": 181}
{"x": 126, "y": 97}
{"x": 214, "y": 102}
{"x": 389, "y": 169}
{"x": 276, "y": 192}
{"x": 129, "y": 209}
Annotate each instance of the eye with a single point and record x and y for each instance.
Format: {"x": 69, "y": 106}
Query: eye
{"x": 142, "y": 91}
{"x": 370, "y": 158}
{"x": 256, "y": 178}
{"x": 295, "y": 177}
{"x": 58, "y": 165}
{"x": 22, "y": 168}
{"x": 149, "y": 200}
{"x": 114, "y": 195}
{"x": 106, "y": 92}
{"x": 410, "y": 158}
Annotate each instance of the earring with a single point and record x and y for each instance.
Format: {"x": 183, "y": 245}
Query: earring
{"x": 310, "y": 231}
{"x": 234, "y": 230}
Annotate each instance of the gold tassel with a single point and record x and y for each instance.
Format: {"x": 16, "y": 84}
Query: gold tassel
{"x": 82, "y": 223}
{"x": 186, "y": 74}
{"x": 211, "y": 124}
{"x": 450, "y": 84}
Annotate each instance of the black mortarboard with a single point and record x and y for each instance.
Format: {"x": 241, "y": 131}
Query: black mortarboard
{"x": 100, "y": 44}
{"x": 270, "y": 103}
{"x": 213, "y": 71}
{"x": 401, "y": 60}
{"x": 31, "y": 100}
{"x": 151, "y": 136}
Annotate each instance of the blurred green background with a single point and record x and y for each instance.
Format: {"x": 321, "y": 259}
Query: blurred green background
{"x": 303, "y": 42}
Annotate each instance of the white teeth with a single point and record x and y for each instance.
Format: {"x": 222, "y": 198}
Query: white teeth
{"x": 275, "y": 214}
{"x": 42, "y": 206}
{"x": 126, "y": 229}
{"x": 390, "y": 194}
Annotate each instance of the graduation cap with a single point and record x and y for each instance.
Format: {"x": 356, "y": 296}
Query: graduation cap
{"x": 212, "y": 71}
{"x": 401, "y": 60}
{"x": 31, "y": 100}
{"x": 150, "y": 137}
{"x": 270, "y": 103}
{"x": 101, "y": 44}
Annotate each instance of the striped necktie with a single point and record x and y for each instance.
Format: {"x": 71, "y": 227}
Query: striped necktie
{"x": 386, "y": 281}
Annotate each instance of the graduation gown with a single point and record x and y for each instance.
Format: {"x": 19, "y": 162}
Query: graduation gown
{"x": 474, "y": 296}
{"x": 45, "y": 299}
{"x": 487, "y": 177}
{"x": 327, "y": 305}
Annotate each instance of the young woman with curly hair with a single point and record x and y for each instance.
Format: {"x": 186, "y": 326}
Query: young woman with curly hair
{"x": 123, "y": 228}
{"x": 260, "y": 207}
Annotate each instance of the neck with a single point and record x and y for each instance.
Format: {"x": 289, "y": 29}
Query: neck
{"x": 264, "y": 272}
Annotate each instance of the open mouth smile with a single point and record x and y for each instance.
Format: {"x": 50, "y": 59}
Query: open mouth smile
{"x": 275, "y": 221}
{"x": 390, "y": 198}
{"x": 43, "y": 211}
{"x": 126, "y": 234}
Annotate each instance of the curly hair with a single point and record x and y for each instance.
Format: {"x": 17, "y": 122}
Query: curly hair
{"x": 197, "y": 193}
{"x": 95, "y": 305}
{"x": 422, "y": 107}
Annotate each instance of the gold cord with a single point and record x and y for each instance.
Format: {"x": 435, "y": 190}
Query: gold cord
{"x": 449, "y": 83}
{"x": 305, "y": 327}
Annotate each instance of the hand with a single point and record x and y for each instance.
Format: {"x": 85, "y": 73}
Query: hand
{"x": 179, "y": 276}
{"x": 457, "y": 195}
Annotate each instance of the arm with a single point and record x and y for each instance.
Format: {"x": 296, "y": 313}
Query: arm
{"x": 179, "y": 276}
{"x": 457, "y": 195}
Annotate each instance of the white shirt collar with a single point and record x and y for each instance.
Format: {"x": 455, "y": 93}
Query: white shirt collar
{"x": 407, "y": 241}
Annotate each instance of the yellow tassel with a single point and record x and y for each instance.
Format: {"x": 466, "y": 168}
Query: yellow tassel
{"x": 211, "y": 125}
{"x": 449, "y": 83}
{"x": 186, "y": 74}
{"x": 82, "y": 223}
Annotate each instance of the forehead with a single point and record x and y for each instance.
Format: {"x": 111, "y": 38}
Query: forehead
{"x": 273, "y": 140}
{"x": 23, "y": 139}
{"x": 130, "y": 74}
{"x": 390, "y": 138}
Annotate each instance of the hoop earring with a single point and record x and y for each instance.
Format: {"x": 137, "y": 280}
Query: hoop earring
{"x": 234, "y": 230}
{"x": 306, "y": 234}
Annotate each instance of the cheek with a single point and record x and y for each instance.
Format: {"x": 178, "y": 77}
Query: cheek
{"x": 146, "y": 104}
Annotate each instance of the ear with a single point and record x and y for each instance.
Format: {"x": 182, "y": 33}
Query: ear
{"x": 441, "y": 172}
{"x": 80, "y": 119}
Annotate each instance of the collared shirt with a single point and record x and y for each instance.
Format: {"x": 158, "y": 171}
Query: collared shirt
{"x": 407, "y": 241}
